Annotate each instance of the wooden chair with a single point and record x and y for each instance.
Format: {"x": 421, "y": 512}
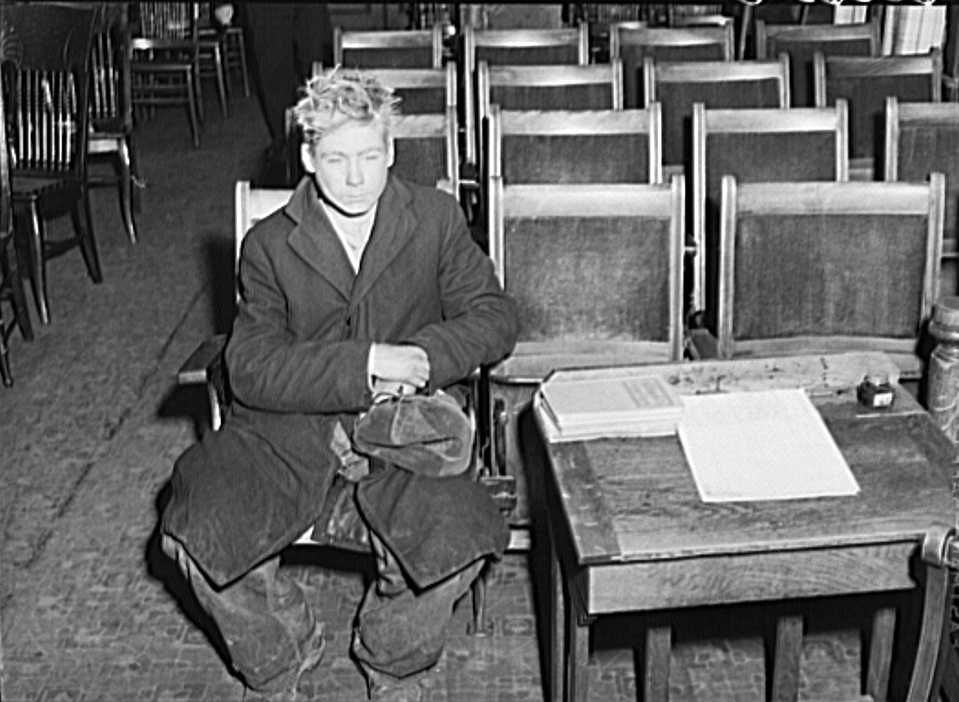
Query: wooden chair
{"x": 757, "y": 145}
{"x": 231, "y": 54}
{"x": 632, "y": 43}
{"x": 404, "y": 48}
{"x": 541, "y": 87}
{"x": 513, "y": 47}
{"x": 426, "y": 150}
{"x": 950, "y": 55}
{"x": 866, "y": 83}
{"x": 111, "y": 115}
{"x": 716, "y": 84}
{"x": 165, "y": 60}
{"x": 923, "y": 137}
{"x": 11, "y": 286}
{"x": 801, "y": 41}
{"x": 46, "y": 96}
{"x": 596, "y": 272}
{"x": 205, "y": 365}
{"x": 575, "y": 146}
{"x": 817, "y": 267}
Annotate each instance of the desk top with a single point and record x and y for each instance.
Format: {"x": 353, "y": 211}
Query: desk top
{"x": 634, "y": 500}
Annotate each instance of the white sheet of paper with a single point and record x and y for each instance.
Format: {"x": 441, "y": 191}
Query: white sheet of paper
{"x": 764, "y": 445}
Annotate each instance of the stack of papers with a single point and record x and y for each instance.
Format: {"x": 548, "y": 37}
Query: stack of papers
{"x": 595, "y": 407}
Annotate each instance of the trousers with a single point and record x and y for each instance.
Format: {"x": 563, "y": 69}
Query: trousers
{"x": 268, "y": 624}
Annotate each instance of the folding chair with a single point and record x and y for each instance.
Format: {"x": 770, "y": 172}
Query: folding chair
{"x": 921, "y": 138}
{"x": 801, "y": 41}
{"x": 866, "y": 83}
{"x": 718, "y": 84}
{"x": 575, "y": 146}
{"x": 633, "y": 42}
{"x": 596, "y": 273}
{"x": 818, "y": 267}
{"x": 756, "y": 145}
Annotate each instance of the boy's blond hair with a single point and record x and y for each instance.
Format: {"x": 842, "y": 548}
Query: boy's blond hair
{"x": 340, "y": 95}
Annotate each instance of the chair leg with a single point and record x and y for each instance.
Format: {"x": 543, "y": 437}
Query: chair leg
{"x": 192, "y": 107}
{"x": 241, "y": 51}
{"x": 36, "y": 263}
{"x": 83, "y": 224}
{"x": 125, "y": 187}
{"x": 478, "y": 625}
{"x": 5, "y": 376}
{"x": 18, "y": 299}
{"x": 198, "y": 88}
{"x": 138, "y": 183}
{"x": 220, "y": 80}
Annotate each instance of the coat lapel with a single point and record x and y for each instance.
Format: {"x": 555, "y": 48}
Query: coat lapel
{"x": 392, "y": 231}
{"x": 314, "y": 240}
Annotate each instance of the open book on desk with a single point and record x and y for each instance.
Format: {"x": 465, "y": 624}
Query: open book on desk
{"x": 589, "y": 408}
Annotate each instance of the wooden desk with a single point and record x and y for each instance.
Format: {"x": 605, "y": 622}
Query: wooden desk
{"x": 628, "y": 531}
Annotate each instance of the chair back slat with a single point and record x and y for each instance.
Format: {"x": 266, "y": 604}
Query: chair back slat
{"x": 168, "y": 21}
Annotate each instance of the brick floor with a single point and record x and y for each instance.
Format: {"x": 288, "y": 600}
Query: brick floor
{"x": 89, "y": 433}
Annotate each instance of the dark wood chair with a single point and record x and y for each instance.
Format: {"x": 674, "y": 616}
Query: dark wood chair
{"x": 11, "y": 286}
{"x": 821, "y": 267}
{"x": 596, "y": 272}
{"x": 756, "y": 145}
{"x": 632, "y": 43}
{"x": 950, "y": 55}
{"x": 404, "y": 48}
{"x": 232, "y": 39}
{"x": 165, "y": 60}
{"x": 575, "y": 146}
{"x": 717, "y": 84}
{"x": 45, "y": 84}
{"x": 512, "y": 47}
{"x": 865, "y": 83}
{"x": 801, "y": 41}
{"x": 111, "y": 115}
{"x": 921, "y": 138}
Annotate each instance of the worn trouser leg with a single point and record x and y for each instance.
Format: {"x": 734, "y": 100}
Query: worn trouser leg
{"x": 401, "y": 632}
{"x": 264, "y": 619}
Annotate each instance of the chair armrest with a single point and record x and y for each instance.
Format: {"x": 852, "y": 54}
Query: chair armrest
{"x": 198, "y": 368}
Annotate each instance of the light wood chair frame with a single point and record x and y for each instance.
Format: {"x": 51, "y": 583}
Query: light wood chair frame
{"x": 775, "y": 35}
{"x": 658, "y": 72}
{"x": 439, "y": 77}
{"x": 349, "y": 40}
{"x": 646, "y": 121}
{"x": 849, "y": 198}
{"x": 599, "y": 200}
{"x": 531, "y": 38}
{"x": 908, "y": 113}
{"x": 763, "y": 120}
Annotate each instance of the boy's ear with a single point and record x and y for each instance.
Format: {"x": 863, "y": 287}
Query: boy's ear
{"x": 306, "y": 158}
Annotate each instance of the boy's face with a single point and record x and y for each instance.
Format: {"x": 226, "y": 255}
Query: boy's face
{"x": 350, "y": 164}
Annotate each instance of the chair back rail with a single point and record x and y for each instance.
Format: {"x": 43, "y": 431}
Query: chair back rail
{"x": 524, "y": 87}
{"x": 875, "y": 247}
{"x": 575, "y": 146}
{"x": 756, "y": 145}
{"x": 421, "y": 90}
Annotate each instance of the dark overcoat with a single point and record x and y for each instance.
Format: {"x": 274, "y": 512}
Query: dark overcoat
{"x": 297, "y": 364}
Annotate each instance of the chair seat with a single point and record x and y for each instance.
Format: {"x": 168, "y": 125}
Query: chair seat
{"x": 30, "y": 187}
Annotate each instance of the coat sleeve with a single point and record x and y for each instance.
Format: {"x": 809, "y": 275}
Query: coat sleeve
{"x": 270, "y": 369}
{"x": 480, "y": 323}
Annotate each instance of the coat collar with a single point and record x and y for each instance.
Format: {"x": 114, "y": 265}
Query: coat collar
{"x": 315, "y": 241}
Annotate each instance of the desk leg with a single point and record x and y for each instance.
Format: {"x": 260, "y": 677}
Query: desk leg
{"x": 557, "y": 627}
{"x": 577, "y": 662}
{"x": 659, "y": 641}
{"x": 880, "y": 653}
{"x": 786, "y": 658}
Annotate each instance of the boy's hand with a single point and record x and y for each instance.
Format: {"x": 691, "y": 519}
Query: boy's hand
{"x": 401, "y": 364}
